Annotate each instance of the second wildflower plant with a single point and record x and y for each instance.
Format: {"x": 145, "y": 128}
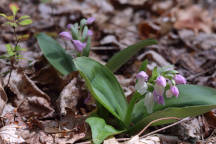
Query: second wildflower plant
{"x": 161, "y": 84}
{"x": 80, "y": 36}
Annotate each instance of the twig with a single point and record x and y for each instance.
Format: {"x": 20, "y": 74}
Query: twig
{"x": 171, "y": 125}
{"x": 154, "y": 121}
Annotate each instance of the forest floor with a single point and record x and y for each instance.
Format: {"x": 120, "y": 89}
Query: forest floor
{"x": 38, "y": 96}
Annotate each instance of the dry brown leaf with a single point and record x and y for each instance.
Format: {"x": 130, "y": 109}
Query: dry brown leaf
{"x": 155, "y": 57}
{"x": 8, "y": 135}
{"x": 35, "y": 107}
{"x": 133, "y": 2}
{"x": 28, "y": 97}
{"x": 38, "y": 137}
{"x": 111, "y": 141}
{"x": 69, "y": 97}
{"x": 150, "y": 140}
{"x": 148, "y": 29}
{"x": 193, "y": 17}
{"x": 3, "y": 98}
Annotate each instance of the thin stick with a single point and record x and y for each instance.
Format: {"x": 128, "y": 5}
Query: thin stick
{"x": 171, "y": 125}
{"x": 160, "y": 119}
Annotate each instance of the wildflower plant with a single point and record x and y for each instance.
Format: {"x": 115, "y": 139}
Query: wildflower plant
{"x": 161, "y": 85}
{"x": 13, "y": 51}
{"x": 80, "y": 36}
{"x": 159, "y": 95}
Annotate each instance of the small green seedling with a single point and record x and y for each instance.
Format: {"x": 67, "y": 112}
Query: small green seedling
{"x": 13, "y": 50}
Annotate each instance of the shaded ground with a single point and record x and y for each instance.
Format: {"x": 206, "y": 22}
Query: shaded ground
{"x": 51, "y": 109}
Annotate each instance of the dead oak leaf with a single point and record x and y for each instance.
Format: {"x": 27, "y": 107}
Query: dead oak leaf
{"x": 194, "y": 18}
{"x": 8, "y": 135}
{"x": 3, "y": 98}
{"x": 29, "y": 99}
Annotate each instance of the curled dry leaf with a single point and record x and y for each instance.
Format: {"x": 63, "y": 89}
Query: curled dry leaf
{"x": 71, "y": 140}
{"x": 201, "y": 40}
{"x": 69, "y": 97}
{"x": 35, "y": 107}
{"x": 28, "y": 97}
{"x": 155, "y": 57}
{"x": 126, "y": 84}
{"x": 111, "y": 141}
{"x": 193, "y": 17}
{"x": 133, "y": 2}
{"x": 151, "y": 140}
{"x": 38, "y": 137}
{"x": 3, "y": 98}
{"x": 8, "y": 135}
{"x": 149, "y": 29}
{"x": 146, "y": 140}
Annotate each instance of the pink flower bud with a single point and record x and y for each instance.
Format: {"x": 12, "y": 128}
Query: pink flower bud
{"x": 142, "y": 76}
{"x": 90, "y": 33}
{"x": 161, "y": 81}
{"x": 158, "y": 94}
{"x": 90, "y": 20}
{"x": 149, "y": 102}
{"x": 69, "y": 26}
{"x": 65, "y": 35}
{"x": 179, "y": 79}
{"x": 158, "y": 98}
{"x": 174, "y": 91}
{"x": 169, "y": 93}
{"x": 79, "y": 46}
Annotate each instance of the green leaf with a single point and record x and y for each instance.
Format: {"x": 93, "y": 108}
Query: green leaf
{"x": 55, "y": 54}
{"x": 4, "y": 15}
{"x": 12, "y": 24}
{"x": 25, "y": 22}
{"x": 10, "y": 50}
{"x": 14, "y": 8}
{"x": 74, "y": 31}
{"x": 144, "y": 65}
{"x": 87, "y": 48}
{"x": 155, "y": 74}
{"x": 193, "y": 100}
{"x": 136, "y": 96}
{"x": 123, "y": 56}
{"x": 103, "y": 86}
{"x": 24, "y": 17}
{"x": 100, "y": 130}
{"x": 84, "y": 34}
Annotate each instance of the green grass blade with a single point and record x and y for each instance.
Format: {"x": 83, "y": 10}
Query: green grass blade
{"x": 123, "y": 56}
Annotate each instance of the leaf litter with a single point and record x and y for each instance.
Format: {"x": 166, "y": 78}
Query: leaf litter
{"x": 52, "y": 108}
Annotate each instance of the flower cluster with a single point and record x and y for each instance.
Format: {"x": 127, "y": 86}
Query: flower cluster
{"x": 163, "y": 82}
{"x": 79, "y": 34}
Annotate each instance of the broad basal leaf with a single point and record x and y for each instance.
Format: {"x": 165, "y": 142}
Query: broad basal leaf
{"x": 193, "y": 100}
{"x": 103, "y": 86}
{"x": 123, "y": 56}
{"x": 100, "y": 130}
{"x": 55, "y": 54}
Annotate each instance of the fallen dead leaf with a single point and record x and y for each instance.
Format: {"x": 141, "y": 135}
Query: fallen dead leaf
{"x": 150, "y": 140}
{"x": 3, "y": 98}
{"x": 193, "y": 17}
{"x": 70, "y": 140}
{"x": 155, "y": 57}
{"x": 8, "y": 135}
{"x": 111, "y": 141}
{"x": 29, "y": 99}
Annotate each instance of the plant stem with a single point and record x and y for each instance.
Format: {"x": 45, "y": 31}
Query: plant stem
{"x": 13, "y": 58}
{"x": 136, "y": 96}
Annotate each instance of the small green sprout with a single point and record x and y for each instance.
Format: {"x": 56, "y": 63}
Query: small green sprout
{"x": 13, "y": 51}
